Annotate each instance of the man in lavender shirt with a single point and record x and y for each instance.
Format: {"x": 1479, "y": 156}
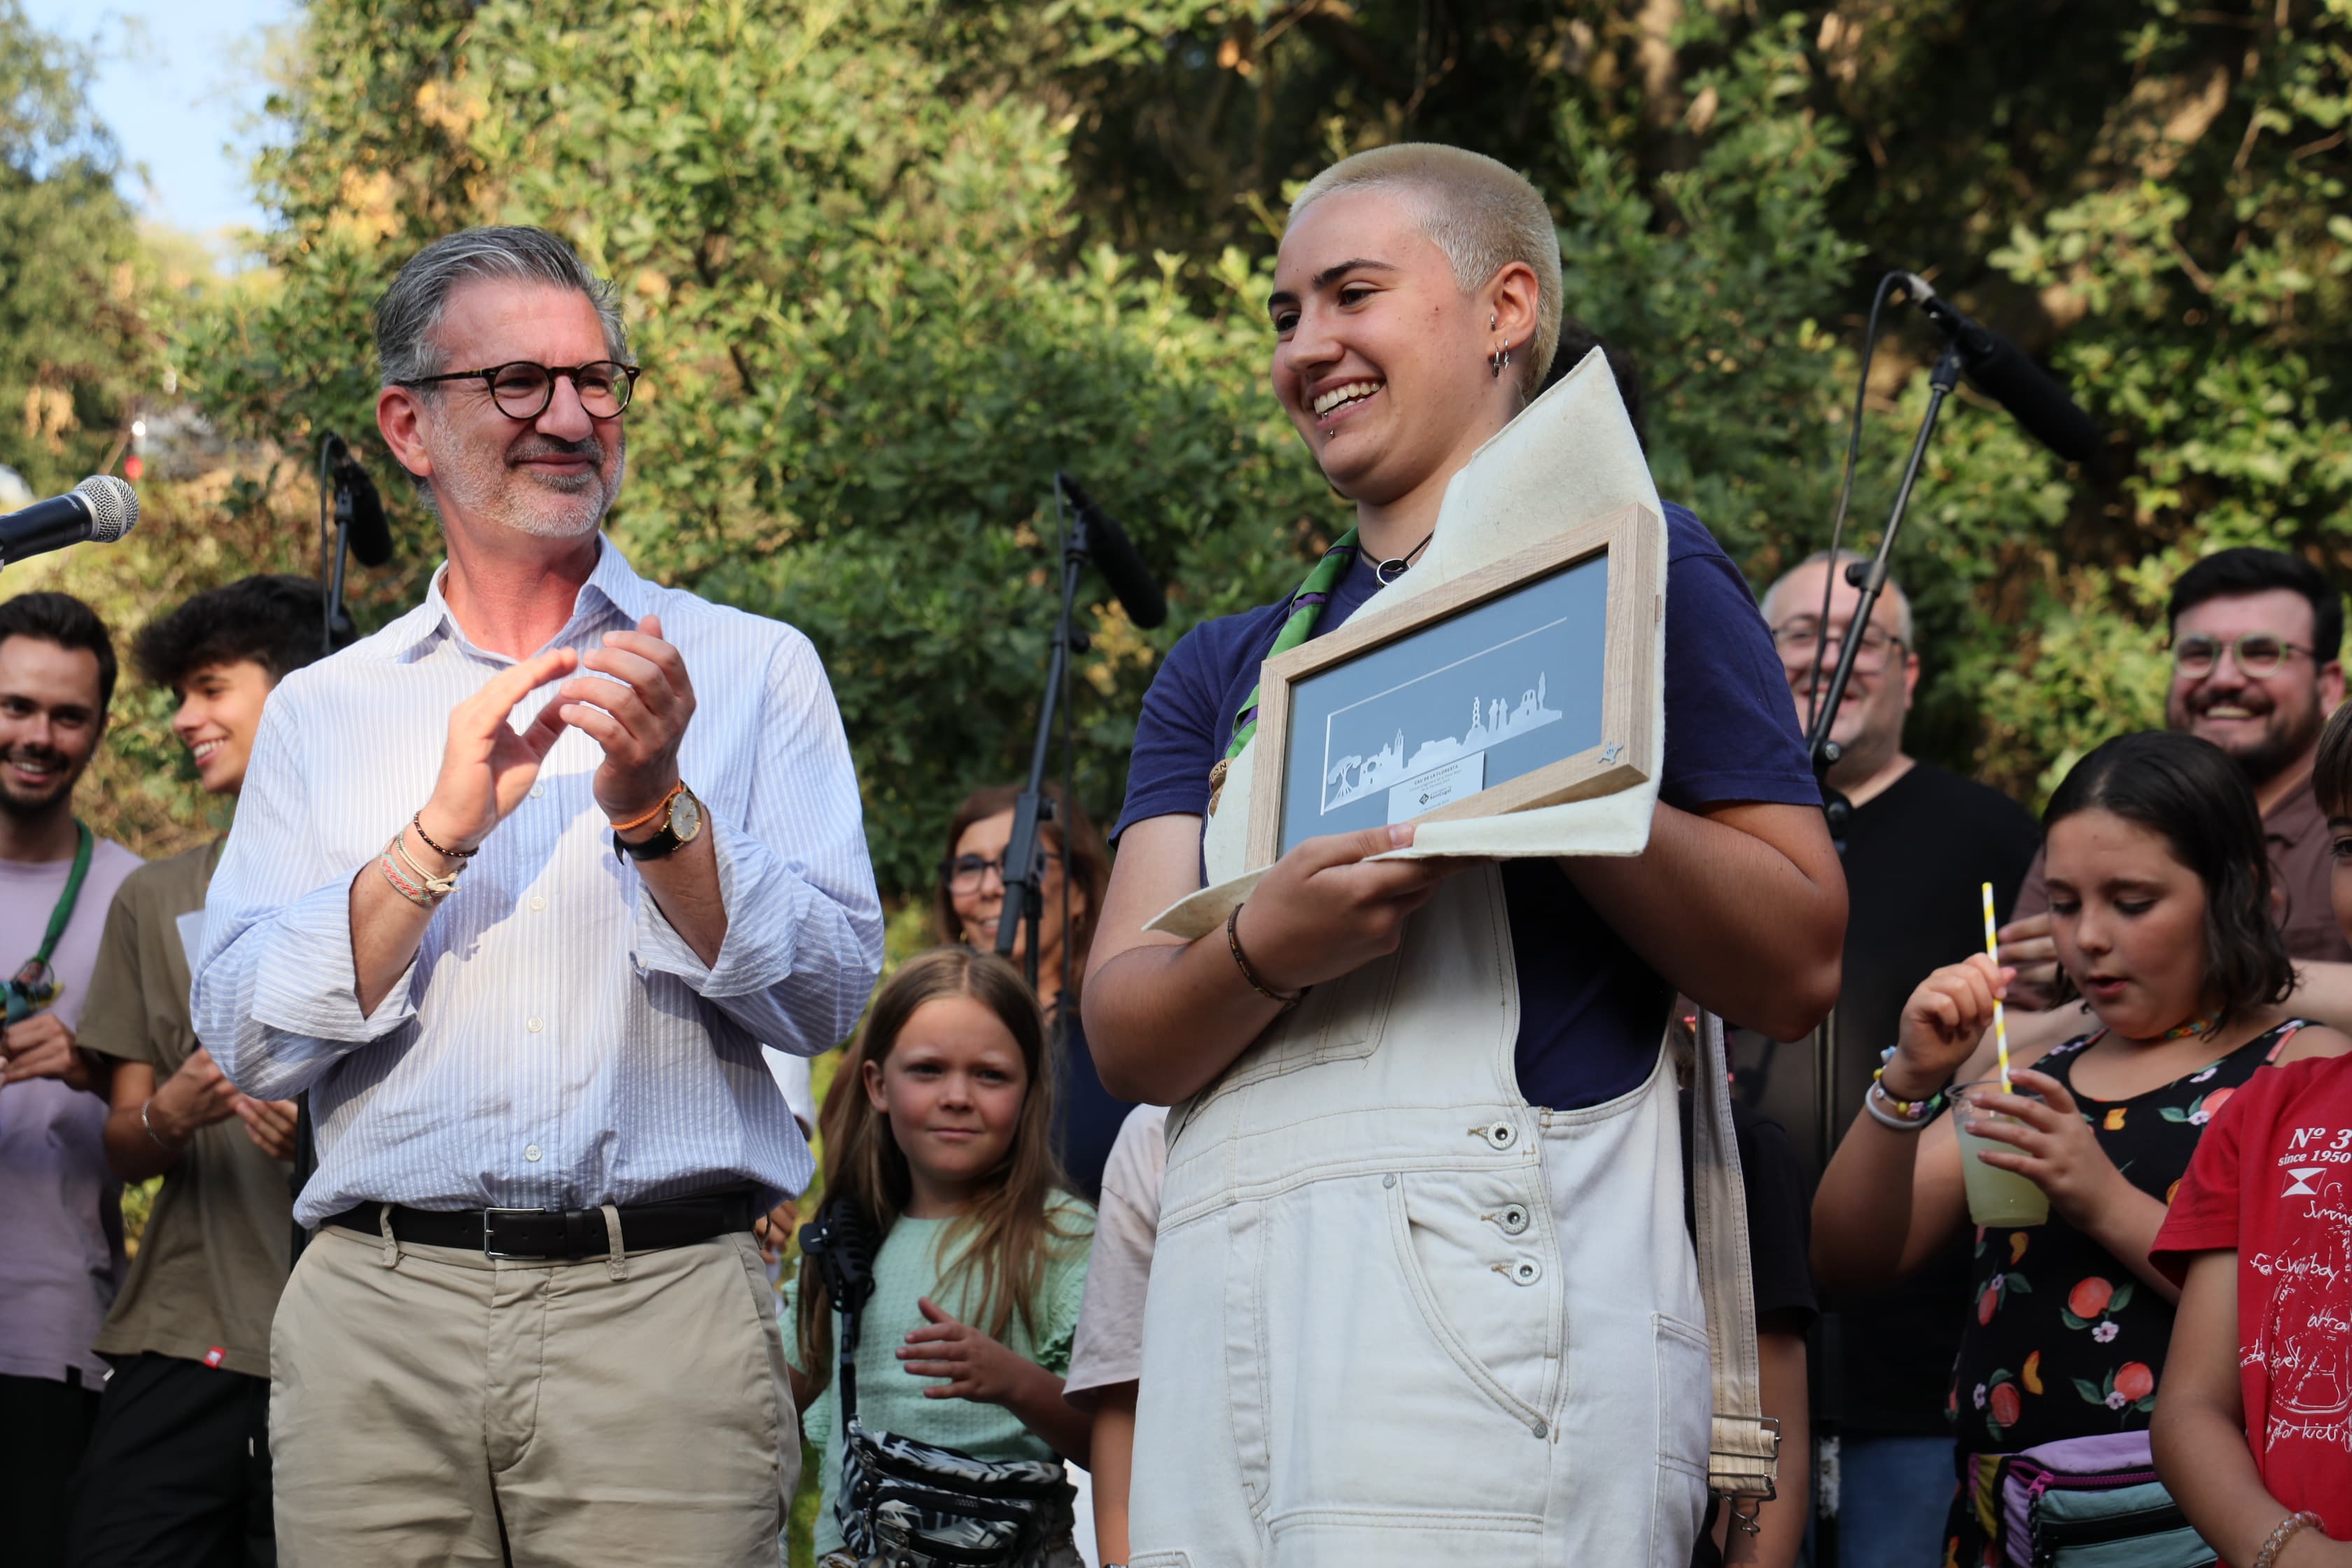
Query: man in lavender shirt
{"x": 60, "y": 1214}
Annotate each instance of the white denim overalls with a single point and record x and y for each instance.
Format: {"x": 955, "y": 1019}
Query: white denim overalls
{"x": 1398, "y": 1316}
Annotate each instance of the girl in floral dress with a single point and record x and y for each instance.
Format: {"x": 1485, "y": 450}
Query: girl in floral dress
{"x": 2160, "y": 905}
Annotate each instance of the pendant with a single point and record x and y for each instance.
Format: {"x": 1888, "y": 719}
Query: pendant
{"x": 1390, "y": 571}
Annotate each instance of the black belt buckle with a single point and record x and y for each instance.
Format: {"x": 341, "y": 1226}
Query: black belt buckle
{"x": 490, "y": 1234}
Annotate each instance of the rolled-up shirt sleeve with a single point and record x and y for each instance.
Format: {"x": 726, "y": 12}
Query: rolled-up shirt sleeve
{"x": 803, "y": 942}
{"x": 276, "y": 997}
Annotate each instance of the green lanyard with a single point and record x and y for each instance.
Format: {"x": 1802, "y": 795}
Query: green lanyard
{"x": 1306, "y": 609}
{"x": 35, "y": 985}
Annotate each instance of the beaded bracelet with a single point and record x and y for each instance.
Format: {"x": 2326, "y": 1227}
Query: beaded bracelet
{"x": 1903, "y": 1115}
{"x": 2286, "y": 1532}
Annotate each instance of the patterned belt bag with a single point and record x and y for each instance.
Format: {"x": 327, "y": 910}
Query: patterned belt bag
{"x": 909, "y": 1504}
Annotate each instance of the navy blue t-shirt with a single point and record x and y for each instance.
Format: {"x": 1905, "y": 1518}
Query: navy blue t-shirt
{"x": 1591, "y": 1012}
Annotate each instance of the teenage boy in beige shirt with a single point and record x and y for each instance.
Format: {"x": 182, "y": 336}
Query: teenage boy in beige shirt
{"x": 178, "y": 1469}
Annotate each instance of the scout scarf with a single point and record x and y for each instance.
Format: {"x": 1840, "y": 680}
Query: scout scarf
{"x": 34, "y": 986}
{"x": 1306, "y": 610}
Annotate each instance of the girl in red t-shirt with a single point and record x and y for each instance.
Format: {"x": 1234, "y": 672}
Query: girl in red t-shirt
{"x": 2260, "y": 1238}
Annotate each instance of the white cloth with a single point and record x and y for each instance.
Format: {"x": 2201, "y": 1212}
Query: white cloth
{"x": 556, "y": 1043}
{"x": 1108, "y": 1348}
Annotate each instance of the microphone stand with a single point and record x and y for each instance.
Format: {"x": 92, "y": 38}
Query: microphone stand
{"x": 332, "y": 556}
{"x": 1869, "y": 577}
{"x": 335, "y": 621}
{"x": 1024, "y": 860}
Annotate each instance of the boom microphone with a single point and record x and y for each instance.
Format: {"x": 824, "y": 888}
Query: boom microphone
{"x": 371, "y": 536}
{"x": 1116, "y": 559}
{"x": 101, "y": 509}
{"x": 2000, "y": 369}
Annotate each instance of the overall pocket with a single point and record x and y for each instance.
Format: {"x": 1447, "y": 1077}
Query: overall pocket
{"x": 1481, "y": 1258}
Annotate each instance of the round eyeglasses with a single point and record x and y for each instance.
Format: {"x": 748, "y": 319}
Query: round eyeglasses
{"x": 522, "y": 389}
{"x": 2258, "y": 654}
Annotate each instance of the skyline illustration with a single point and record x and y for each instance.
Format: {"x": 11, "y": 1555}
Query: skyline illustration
{"x": 1460, "y": 706}
{"x": 1354, "y": 776}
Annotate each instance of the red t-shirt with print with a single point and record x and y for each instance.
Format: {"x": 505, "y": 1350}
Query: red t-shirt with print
{"x": 2273, "y": 1179}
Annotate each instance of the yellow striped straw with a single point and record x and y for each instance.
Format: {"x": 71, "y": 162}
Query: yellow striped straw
{"x": 2000, "y": 1023}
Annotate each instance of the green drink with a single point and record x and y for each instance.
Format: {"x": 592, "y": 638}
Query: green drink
{"x": 1995, "y": 1198}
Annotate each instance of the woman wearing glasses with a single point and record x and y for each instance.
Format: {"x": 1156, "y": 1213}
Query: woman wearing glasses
{"x": 966, "y": 909}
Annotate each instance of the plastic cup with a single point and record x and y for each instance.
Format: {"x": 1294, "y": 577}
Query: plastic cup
{"x": 1995, "y": 1198}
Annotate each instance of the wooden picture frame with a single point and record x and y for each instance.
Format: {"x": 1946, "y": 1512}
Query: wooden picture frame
{"x": 1531, "y": 611}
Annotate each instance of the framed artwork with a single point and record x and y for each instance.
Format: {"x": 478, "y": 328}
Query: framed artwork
{"x": 1527, "y": 682}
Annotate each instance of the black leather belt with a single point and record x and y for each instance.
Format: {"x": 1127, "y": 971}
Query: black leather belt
{"x": 558, "y": 1233}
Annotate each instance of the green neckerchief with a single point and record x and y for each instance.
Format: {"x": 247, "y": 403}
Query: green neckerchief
{"x": 35, "y": 985}
{"x": 1306, "y": 609}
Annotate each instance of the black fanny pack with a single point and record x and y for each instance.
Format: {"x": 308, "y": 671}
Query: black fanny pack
{"x": 911, "y": 1504}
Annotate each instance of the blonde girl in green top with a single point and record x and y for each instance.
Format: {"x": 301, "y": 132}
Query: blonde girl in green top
{"x": 939, "y": 1128}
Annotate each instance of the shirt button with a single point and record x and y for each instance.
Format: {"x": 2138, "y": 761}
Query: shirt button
{"x": 531, "y": 1152}
{"x": 537, "y": 790}
{"x": 538, "y": 902}
{"x": 534, "y": 1025}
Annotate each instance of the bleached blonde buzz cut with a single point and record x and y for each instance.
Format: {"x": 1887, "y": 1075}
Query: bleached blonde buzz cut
{"x": 1483, "y": 215}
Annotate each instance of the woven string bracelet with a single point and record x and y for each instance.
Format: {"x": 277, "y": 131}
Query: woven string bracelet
{"x": 1241, "y": 961}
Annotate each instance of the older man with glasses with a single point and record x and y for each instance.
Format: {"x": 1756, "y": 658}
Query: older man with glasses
{"x": 1920, "y": 843}
{"x": 2256, "y": 640}
{"x": 517, "y": 889}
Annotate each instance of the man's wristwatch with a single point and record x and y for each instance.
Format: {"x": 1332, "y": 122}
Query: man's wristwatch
{"x": 681, "y": 816}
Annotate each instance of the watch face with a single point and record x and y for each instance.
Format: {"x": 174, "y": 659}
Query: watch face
{"x": 686, "y": 817}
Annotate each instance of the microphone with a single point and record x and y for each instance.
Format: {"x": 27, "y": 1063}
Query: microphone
{"x": 1116, "y": 559}
{"x": 371, "y": 536}
{"x": 2000, "y": 369}
{"x": 101, "y": 509}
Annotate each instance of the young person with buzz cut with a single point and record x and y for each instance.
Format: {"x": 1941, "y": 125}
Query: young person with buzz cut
{"x": 1422, "y": 1291}
{"x": 178, "y": 1469}
{"x": 61, "y": 1253}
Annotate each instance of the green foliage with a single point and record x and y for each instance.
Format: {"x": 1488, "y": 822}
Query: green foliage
{"x": 889, "y": 268}
{"x": 78, "y": 338}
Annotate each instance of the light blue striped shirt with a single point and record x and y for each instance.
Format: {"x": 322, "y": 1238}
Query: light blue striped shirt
{"x": 556, "y": 1043}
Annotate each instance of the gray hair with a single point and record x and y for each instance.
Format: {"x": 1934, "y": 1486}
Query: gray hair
{"x": 1820, "y": 557}
{"x": 411, "y": 308}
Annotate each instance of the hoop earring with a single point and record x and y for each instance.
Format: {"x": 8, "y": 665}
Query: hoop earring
{"x": 1499, "y": 362}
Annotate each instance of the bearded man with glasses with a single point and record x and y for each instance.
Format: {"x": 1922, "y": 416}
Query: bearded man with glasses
{"x": 2256, "y": 640}
{"x": 519, "y": 887}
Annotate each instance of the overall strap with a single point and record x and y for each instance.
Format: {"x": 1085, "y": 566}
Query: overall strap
{"x": 1743, "y": 1459}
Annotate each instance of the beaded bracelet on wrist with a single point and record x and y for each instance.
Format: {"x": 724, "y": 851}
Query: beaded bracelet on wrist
{"x": 2287, "y": 1530}
{"x": 1890, "y": 1109}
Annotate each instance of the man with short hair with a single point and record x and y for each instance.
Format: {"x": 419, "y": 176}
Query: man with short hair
{"x": 2257, "y": 640}
{"x": 517, "y": 887}
{"x": 60, "y": 1216}
{"x": 1920, "y": 846}
{"x": 178, "y": 1469}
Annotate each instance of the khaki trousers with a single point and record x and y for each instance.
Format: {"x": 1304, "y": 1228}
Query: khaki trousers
{"x": 432, "y": 1405}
